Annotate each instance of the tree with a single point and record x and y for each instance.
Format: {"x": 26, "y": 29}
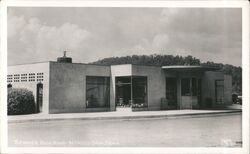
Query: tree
{"x": 166, "y": 60}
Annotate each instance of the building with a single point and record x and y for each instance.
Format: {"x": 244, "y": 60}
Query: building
{"x": 66, "y": 87}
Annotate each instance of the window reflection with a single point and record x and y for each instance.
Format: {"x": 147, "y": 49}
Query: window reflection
{"x": 139, "y": 90}
{"x": 97, "y": 91}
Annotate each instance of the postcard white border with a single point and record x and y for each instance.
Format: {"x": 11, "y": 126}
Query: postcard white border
{"x": 176, "y": 4}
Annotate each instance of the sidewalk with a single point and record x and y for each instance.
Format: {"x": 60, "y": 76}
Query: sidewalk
{"x": 117, "y": 115}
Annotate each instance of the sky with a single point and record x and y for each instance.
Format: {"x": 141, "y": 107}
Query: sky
{"x": 89, "y": 34}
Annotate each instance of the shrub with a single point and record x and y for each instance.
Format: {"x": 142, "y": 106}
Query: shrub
{"x": 20, "y": 101}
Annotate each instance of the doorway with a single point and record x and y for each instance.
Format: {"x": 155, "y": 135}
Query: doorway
{"x": 171, "y": 93}
{"x": 39, "y": 97}
{"x": 190, "y": 93}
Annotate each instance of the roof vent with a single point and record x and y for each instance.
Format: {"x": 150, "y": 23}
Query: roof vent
{"x": 64, "y": 59}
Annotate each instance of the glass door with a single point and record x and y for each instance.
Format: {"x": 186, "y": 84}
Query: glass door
{"x": 171, "y": 93}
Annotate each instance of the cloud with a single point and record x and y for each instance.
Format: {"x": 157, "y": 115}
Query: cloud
{"x": 210, "y": 33}
{"x": 206, "y": 33}
{"x": 39, "y": 42}
{"x": 15, "y": 25}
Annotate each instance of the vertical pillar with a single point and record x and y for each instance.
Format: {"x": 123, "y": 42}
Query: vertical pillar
{"x": 112, "y": 93}
{"x": 178, "y": 92}
{"x": 191, "y": 92}
{"x": 131, "y": 89}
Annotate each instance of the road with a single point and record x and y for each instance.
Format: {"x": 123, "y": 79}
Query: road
{"x": 211, "y": 131}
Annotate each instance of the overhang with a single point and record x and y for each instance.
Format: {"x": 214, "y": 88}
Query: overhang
{"x": 190, "y": 68}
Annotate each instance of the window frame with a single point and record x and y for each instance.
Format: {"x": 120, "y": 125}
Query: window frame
{"x": 219, "y": 86}
{"x": 106, "y": 104}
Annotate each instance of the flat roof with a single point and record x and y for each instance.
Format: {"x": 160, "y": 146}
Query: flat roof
{"x": 172, "y": 67}
{"x": 190, "y": 68}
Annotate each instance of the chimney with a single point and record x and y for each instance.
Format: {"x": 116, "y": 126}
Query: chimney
{"x": 64, "y": 59}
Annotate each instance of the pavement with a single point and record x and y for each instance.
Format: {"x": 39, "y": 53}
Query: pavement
{"x": 120, "y": 114}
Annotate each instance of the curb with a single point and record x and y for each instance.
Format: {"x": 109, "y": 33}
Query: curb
{"x": 171, "y": 116}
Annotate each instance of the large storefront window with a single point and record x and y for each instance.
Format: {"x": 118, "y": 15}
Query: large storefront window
{"x": 97, "y": 92}
{"x": 131, "y": 90}
{"x": 219, "y": 91}
{"x": 123, "y": 91}
{"x": 139, "y": 87}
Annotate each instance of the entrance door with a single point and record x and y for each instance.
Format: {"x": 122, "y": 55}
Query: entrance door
{"x": 190, "y": 93}
{"x": 39, "y": 97}
{"x": 171, "y": 93}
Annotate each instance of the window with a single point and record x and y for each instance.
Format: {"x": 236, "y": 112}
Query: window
{"x": 39, "y": 77}
{"x": 190, "y": 87}
{"x": 123, "y": 91}
{"x": 185, "y": 87}
{"x": 219, "y": 91}
{"x": 23, "y": 77}
{"x": 16, "y": 77}
{"x": 9, "y": 78}
{"x": 32, "y": 77}
{"x": 139, "y": 90}
{"x": 97, "y": 91}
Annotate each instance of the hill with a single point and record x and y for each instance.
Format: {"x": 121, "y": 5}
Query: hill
{"x": 166, "y": 60}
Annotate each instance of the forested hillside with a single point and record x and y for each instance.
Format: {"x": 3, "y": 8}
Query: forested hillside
{"x": 165, "y": 60}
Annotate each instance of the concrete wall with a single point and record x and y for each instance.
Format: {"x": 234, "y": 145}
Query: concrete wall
{"x": 156, "y": 83}
{"x": 208, "y": 88}
{"x": 121, "y": 70}
{"x": 32, "y": 85}
{"x": 68, "y": 86}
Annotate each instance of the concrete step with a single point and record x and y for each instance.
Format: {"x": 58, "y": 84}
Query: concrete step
{"x": 123, "y": 109}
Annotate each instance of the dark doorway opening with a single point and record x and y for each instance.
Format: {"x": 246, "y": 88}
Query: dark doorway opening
{"x": 171, "y": 92}
{"x": 9, "y": 85}
{"x": 39, "y": 97}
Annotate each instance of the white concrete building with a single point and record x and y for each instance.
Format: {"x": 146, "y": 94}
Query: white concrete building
{"x": 63, "y": 86}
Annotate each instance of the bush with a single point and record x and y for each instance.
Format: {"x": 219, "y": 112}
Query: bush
{"x": 20, "y": 101}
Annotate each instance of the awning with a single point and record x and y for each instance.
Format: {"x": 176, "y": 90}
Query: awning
{"x": 190, "y": 68}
